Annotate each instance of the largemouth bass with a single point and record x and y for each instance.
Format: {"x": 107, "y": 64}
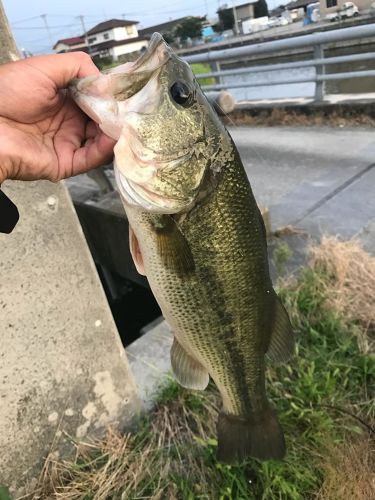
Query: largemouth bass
{"x": 197, "y": 234}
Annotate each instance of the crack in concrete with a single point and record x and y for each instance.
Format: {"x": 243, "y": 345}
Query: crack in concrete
{"x": 333, "y": 193}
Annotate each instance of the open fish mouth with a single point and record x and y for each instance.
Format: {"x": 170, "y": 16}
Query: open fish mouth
{"x": 109, "y": 96}
{"x": 128, "y": 79}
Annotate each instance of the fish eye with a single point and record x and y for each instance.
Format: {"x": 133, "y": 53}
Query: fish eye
{"x": 181, "y": 94}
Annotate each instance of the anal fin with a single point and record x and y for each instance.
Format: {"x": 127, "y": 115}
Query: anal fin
{"x": 188, "y": 372}
{"x": 281, "y": 345}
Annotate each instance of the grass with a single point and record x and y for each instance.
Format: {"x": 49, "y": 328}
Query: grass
{"x": 324, "y": 398}
{"x": 198, "y": 69}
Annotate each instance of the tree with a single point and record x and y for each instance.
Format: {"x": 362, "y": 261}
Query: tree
{"x": 190, "y": 27}
{"x": 261, "y": 8}
{"x": 168, "y": 36}
{"x": 226, "y": 18}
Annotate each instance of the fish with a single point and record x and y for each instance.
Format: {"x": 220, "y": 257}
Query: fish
{"x": 197, "y": 234}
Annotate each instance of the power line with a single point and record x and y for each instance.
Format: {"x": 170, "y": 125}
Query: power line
{"x": 25, "y": 20}
{"x": 42, "y": 27}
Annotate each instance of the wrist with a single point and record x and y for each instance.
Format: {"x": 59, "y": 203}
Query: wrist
{"x": 3, "y": 176}
{"x": 5, "y": 167}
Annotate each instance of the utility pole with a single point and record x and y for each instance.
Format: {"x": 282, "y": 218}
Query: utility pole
{"x": 8, "y": 48}
{"x": 44, "y": 17}
{"x": 235, "y": 19}
{"x": 85, "y": 33}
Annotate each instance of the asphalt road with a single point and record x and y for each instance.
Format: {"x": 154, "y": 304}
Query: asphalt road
{"x": 321, "y": 180}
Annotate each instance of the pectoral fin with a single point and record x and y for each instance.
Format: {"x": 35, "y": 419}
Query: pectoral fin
{"x": 136, "y": 252}
{"x": 173, "y": 247}
{"x": 281, "y": 345}
{"x": 188, "y": 372}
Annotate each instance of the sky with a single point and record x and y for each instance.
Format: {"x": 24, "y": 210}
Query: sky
{"x": 62, "y": 17}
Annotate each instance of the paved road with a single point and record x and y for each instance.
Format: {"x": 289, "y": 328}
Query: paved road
{"x": 319, "y": 179}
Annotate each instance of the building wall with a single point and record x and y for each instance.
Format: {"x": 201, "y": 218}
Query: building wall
{"x": 245, "y": 12}
{"x": 324, "y": 10}
{"x": 123, "y": 33}
{"x": 127, "y": 49}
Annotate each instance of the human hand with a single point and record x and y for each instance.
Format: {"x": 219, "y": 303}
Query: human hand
{"x": 43, "y": 134}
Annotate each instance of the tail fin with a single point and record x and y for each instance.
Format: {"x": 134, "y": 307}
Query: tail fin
{"x": 259, "y": 436}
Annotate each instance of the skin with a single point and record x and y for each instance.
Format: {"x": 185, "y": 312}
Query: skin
{"x": 44, "y": 135}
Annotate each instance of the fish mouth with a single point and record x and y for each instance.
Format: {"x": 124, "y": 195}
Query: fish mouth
{"x": 108, "y": 96}
{"x": 127, "y": 79}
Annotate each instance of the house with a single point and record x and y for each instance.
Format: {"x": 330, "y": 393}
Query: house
{"x": 115, "y": 38}
{"x": 70, "y": 44}
{"x": 329, "y": 6}
{"x": 164, "y": 28}
{"x": 112, "y": 39}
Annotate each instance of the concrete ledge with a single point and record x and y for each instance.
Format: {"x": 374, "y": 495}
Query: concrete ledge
{"x": 62, "y": 365}
{"x": 330, "y": 101}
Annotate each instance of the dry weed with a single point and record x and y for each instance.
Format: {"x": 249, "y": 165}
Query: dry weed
{"x": 122, "y": 466}
{"x": 349, "y": 472}
{"x": 349, "y": 283}
{"x": 341, "y": 117}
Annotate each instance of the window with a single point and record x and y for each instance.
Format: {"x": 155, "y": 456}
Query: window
{"x": 106, "y": 36}
{"x": 331, "y": 3}
{"x": 129, "y": 30}
{"x": 92, "y": 40}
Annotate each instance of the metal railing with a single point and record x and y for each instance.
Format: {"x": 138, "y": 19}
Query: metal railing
{"x": 314, "y": 42}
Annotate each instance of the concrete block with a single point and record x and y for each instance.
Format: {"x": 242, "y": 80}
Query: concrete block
{"x": 63, "y": 368}
{"x": 149, "y": 358}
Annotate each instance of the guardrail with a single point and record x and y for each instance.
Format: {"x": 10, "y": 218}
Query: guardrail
{"x": 315, "y": 42}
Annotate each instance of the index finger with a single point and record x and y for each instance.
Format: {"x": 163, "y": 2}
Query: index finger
{"x": 61, "y": 68}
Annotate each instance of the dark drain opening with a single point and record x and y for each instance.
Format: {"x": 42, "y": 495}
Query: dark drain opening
{"x": 133, "y": 306}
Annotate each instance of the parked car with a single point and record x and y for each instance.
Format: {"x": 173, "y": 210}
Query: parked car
{"x": 347, "y": 10}
{"x": 275, "y": 22}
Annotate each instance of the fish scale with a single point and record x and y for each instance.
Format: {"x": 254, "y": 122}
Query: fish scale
{"x": 217, "y": 313}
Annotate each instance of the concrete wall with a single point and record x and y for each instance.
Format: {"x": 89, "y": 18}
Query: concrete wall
{"x": 8, "y": 47}
{"x": 62, "y": 365}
